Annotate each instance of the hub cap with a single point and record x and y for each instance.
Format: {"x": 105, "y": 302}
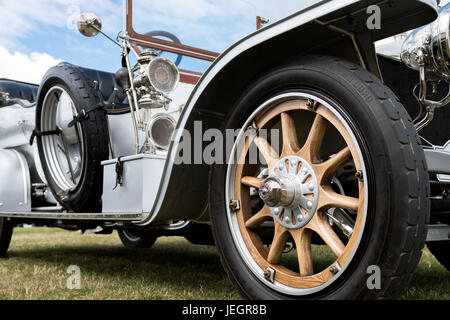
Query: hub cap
{"x": 291, "y": 192}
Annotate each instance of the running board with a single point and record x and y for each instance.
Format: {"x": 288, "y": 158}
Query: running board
{"x": 435, "y": 232}
{"x": 76, "y": 216}
{"x": 438, "y": 232}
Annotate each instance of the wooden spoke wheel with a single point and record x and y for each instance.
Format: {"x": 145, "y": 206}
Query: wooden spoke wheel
{"x": 326, "y": 180}
{"x": 297, "y": 194}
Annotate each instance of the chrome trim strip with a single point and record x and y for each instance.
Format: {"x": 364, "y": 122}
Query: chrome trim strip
{"x": 76, "y": 216}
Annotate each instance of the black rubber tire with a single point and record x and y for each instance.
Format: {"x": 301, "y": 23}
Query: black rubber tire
{"x": 398, "y": 210}
{"x": 86, "y": 197}
{"x": 198, "y": 233}
{"x": 441, "y": 251}
{"x": 142, "y": 240}
{"x": 6, "y": 230}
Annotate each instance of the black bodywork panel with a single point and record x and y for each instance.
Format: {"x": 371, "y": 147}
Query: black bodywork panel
{"x": 19, "y": 90}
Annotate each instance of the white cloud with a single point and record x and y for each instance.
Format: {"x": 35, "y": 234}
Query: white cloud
{"x": 27, "y": 18}
{"x": 208, "y": 24}
{"x": 21, "y": 18}
{"x": 25, "y": 67}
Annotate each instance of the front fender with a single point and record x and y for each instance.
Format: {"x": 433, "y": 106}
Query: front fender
{"x": 183, "y": 190}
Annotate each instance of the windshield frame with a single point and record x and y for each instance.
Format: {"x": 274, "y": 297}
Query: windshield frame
{"x": 160, "y": 44}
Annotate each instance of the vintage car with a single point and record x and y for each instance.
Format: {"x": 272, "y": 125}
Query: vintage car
{"x": 298, "y": 141}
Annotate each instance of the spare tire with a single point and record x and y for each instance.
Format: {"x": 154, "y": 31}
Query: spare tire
{"x": 72, "y": 137}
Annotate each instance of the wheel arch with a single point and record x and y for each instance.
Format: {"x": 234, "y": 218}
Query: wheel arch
{"x": 214, "y": 95}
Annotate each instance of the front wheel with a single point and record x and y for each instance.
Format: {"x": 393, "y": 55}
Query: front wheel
{"x": 347, "y": 188}
{"x": 136, "y": 239}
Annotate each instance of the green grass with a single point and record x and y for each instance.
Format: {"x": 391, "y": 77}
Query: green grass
{"x": 36, "y": 268}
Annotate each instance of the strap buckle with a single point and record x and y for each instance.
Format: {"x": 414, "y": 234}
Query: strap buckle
{"x": 119, "y": 173}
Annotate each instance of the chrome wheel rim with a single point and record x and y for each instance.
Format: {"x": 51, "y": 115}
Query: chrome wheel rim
{"x": 64, "y": 152}
{"x": 269, "y": 272}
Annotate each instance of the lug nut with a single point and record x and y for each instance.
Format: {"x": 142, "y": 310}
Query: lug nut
{"x": 335, "y": 268}
{"x": 359, "y": 175}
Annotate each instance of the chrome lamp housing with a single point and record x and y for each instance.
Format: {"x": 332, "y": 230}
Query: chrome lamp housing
{"x": 161, "y": 130}
{"x": 430, "y": 45}
{"x": 427, "y": 49}
{"x": 155, "y": 78}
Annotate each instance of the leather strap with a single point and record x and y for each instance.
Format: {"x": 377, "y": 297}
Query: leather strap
{"x": 84, "y": 114}
{"x": 37, "y": 133}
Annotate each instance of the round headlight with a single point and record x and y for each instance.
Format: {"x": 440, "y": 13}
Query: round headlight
{"x": 163, "y": 75}
{"x": 440, "y": 49}
{"x": 161, "y": 129}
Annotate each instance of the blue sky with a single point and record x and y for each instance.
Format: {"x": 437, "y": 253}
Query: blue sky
{"x": 37, "y": 34}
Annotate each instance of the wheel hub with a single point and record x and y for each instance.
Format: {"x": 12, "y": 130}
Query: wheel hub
{"x": 291, "y": 191}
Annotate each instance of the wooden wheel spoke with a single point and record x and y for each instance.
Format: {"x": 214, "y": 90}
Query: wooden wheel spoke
{"x": 330, "y": 199}
{"x": 311, "y": 148}
{"x": 252, "y": 182}
{"x": 266, "y": 150}
{"x": 302, "y": 239}
{"x": 290, "y": 141}
{"x": 330, "y": 167}
{"x": 321, "y": 226}
{"x": 257, "y": 219}
{"x": 278, "y": 244}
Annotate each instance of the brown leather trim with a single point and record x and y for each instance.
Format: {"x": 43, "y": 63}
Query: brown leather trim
{"x": 191, "y": 72}
{"x": 185, "y": 78}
